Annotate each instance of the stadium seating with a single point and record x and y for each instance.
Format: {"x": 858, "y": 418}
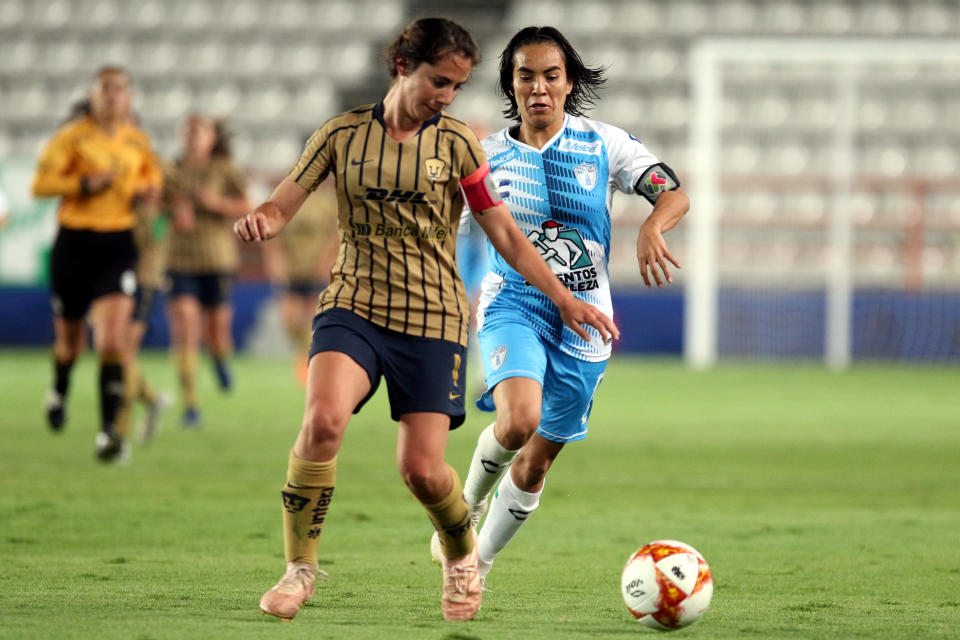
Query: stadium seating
{"x": 277, "y": 69}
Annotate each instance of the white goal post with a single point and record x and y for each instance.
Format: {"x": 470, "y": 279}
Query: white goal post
{"x": 709, "y": 60}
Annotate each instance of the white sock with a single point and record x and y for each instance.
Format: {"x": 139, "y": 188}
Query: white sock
{"x": 509, "y": 510}
{"x": 490, "y": 461}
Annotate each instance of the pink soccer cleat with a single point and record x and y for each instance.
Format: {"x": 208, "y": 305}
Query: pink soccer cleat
{"x": 462, "y": 592}
{"x": 294, "y": 589}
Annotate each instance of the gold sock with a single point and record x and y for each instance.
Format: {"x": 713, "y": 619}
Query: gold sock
{"x": 143, "y": 391}
{"x": 451, "y": 518}
{"x": 122, "y": 424}
{"x": 306, "y": 498}
{"x": 186, "y": 369}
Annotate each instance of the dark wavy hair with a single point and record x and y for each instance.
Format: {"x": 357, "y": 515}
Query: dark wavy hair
{"x": 222, "y": 136}
{"x": 586, "y": 80}
{"x": 222, "y": 148}
{"x": 429, "y": 40}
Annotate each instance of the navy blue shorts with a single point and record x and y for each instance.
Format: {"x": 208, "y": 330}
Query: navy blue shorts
{"x": 211, "y": 289}
{"x": 422, "y": 374}
{"x": 144, "y": 300}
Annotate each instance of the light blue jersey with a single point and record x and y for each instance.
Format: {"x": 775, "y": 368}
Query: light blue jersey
{"x": 560, "y": 198}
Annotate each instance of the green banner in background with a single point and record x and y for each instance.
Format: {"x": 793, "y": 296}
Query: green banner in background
{"x": 29, "y": 229}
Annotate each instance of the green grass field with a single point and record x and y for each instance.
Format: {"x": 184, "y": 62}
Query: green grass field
{"x": 828, "y": 506}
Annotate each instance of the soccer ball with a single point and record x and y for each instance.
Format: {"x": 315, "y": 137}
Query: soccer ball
{"x": 666, "y": 585}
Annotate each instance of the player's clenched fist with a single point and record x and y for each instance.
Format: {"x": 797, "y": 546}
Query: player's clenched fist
{"x": 254, "y": 227}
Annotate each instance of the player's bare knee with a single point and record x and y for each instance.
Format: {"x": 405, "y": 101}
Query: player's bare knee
{"x": 322, "y": 429}
{"x": 67, "y": 350}
{"x": 112, "y": 343}
{"x": 421, "y": 478}
{"x": 517, "y": 426}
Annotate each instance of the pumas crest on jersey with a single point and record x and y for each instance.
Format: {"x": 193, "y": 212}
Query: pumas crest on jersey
{"x": 434, "y": 168}
{"x": 586, "y": 174}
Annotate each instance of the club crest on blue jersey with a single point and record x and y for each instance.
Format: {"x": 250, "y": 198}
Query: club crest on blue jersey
{"x": 586, "y": 174}
{"x": 498, "y": 356}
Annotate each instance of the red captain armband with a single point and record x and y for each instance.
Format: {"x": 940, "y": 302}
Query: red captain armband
{"x": 478, "y": 190}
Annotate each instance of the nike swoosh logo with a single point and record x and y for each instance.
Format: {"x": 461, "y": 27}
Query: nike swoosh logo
{"x": 357, "y": 163}
{"x": 454, "y": 396}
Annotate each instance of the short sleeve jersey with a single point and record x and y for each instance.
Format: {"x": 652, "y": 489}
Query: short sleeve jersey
{"x": 399, "y": 205}
{"x": 81, "y": 148}
{"x": 560, "y": 197}
{"x": 210, "y": 247}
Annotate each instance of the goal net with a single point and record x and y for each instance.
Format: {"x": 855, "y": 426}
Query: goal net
{"x": 825, "y": 218}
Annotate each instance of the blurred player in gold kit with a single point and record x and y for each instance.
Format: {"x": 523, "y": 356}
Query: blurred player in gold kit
{"x": 396, "y": 307}
{"x": 149, "y": 234}
{"x": 204, "y": 193}
{"x": 298, "y": 265}
{"x": 99, "y": 164}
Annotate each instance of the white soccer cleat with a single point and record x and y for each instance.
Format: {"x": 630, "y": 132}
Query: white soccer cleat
{"x": 151, "y": 420}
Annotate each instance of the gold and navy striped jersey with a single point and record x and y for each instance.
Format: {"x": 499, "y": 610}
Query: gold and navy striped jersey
{"x": 211, "y": 246}
{"x": 398, "y": 210}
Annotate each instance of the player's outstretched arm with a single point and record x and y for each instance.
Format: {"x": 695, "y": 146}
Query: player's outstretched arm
{"x": 652, "y": 252}
{"x": 519, "y": 252}
{"x": 272, "y": 216}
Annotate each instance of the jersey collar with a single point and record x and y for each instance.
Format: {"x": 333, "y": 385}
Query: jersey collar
{"x": 378, "y": 114}
{"x": 550, "y": 142}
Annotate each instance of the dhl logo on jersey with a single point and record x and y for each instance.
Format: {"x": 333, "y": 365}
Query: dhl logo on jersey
{"x": 396, "y": 195}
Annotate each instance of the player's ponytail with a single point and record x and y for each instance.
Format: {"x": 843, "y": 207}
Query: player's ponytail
{"x": 78, "y": 109}
{"x": 221, "y": 147}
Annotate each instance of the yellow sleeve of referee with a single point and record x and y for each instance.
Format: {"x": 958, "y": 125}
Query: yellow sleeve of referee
{"x": 151, "y": 175}
{"x": 58, "y": 174}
